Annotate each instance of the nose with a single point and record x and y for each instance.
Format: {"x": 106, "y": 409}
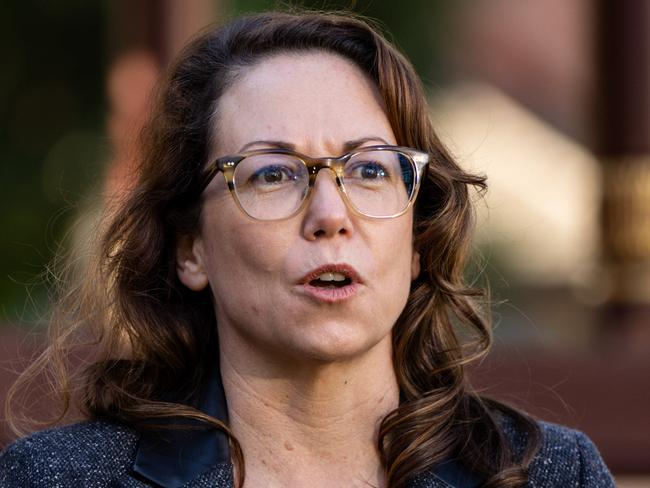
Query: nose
{"x": 327, "y": 214}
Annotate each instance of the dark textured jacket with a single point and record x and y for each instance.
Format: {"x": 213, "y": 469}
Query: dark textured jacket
{"x": 106, "y": 455}
{"x": 103, "y": 455}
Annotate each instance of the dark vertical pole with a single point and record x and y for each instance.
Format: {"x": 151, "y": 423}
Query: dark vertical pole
{"x": 623, "y": 143}
{"x": 144, "y": 36}
{"x": 159, "y": 27}
{"x": 138, "y": 25}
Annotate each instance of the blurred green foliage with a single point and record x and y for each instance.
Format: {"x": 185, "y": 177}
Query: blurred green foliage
{"x": 51, "y": 134}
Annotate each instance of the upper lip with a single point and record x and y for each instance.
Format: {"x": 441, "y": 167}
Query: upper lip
{"x": 344, "y": 269}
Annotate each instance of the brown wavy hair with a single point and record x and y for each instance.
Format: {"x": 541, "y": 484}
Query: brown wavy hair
{"x": 154, "y": 339}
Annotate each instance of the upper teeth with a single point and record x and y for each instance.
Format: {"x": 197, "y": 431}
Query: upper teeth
{"x": 331, "y": 277}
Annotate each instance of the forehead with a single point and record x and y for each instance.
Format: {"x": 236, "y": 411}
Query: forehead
{"x": 311, "y": 99}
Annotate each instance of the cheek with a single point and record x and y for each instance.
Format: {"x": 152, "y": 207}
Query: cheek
{"x": 396, "y": 251}
{"x": 393, "y": 259}
{"x": 241, "y": 254}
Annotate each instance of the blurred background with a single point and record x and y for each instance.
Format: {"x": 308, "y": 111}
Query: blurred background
{"x": 550, "y": 99}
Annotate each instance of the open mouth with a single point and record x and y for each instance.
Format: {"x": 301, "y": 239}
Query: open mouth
{"x": 331, "y": 280}
{"x": 332, "y": 283}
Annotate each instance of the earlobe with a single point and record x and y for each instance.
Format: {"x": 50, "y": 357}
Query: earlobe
{"x": 189, "y": 263}
{"x": 415, "y": 265}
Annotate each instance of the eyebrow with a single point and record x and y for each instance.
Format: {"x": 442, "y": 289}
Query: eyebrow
{"x": 347, "y": 146}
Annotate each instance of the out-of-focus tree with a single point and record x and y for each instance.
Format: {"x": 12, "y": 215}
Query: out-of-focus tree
{"x": 51, "y": 132}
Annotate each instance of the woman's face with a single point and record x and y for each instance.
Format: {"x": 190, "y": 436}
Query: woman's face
{"x": 260, "y": 272}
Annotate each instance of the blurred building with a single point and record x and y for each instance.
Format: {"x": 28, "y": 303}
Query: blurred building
{"x": 551, "y": 102}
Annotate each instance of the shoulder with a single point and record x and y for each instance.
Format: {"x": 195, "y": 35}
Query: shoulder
{"x": 83, "y": 454}
{"x": 566, "y": 457}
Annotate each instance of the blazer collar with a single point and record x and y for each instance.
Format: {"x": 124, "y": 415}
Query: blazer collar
{"x": 173, "y": 458}
{"x": 451, "y": 473}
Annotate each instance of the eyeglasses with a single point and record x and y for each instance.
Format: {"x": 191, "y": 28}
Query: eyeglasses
{"x": 274, "y": 184}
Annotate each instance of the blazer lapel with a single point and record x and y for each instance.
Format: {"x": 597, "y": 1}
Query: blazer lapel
{"x": 448, "y": 474}
{"x": 172, "y": 458}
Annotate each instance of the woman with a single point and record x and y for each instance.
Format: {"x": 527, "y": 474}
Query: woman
{"x": 274, "y": 302}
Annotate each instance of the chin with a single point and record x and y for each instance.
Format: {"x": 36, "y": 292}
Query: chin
{"x": 333, "y": 343}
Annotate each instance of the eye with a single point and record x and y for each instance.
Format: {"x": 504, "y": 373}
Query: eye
{"x": 372, "y": 170}
{"x": 367, "y": 170}
{"x": 274, "y": 174}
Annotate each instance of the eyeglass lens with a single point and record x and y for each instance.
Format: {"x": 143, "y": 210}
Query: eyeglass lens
{"x": 273, "y": 186}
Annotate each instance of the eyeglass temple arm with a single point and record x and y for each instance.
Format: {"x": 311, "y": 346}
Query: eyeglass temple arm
{"x": 222, "y": 164}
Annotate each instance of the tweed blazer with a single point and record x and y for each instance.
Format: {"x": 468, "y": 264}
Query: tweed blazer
{"x": 102, "y": 454}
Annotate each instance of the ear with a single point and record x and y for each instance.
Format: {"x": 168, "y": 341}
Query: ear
{"x": 415, "y": 265}
{"x": 189, "y": 262}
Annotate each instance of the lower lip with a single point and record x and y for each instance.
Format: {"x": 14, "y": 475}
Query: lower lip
{"x": 330, "y": 295}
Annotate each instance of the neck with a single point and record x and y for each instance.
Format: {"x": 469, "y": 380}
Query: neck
{"x": 311, "y": 424}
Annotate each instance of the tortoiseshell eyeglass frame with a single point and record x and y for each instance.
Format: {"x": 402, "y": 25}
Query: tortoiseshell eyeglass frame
{"x": 227, "y": 165}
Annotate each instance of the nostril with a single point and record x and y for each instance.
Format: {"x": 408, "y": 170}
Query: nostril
{"x": 323, "y": 231}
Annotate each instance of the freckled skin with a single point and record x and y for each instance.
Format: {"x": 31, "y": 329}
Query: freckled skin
{"x": 253, "y": 267}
